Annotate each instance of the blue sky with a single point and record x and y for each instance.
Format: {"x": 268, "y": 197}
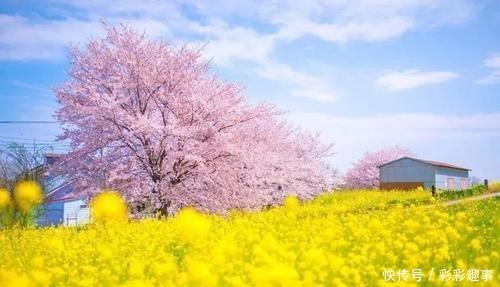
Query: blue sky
{"x": 366, "y": 74}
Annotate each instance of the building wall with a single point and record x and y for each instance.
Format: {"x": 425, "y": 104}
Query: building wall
{"x": 60, "y": 206}
{"x": 443, "y": 175}
{"x": 408, "y": 170}
{"x": 76, "y": 212}
{"x": 51, "y": 214}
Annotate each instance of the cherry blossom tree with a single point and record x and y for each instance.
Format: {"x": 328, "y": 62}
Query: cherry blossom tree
{"x": 365, "y": 173}
{"x": 152, "y": 121}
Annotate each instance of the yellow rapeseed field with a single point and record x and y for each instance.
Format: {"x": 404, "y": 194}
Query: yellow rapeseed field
{"x": 356, "y": 238}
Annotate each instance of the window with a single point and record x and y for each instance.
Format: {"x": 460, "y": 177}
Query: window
{"x": 451, "y": 183}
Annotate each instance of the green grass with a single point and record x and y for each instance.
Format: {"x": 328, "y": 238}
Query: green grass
{"x": 458, "y": 194}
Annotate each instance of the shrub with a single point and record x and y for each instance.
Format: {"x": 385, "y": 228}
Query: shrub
{"x": 494, "y": 186}
{"x": 455, "y": 194}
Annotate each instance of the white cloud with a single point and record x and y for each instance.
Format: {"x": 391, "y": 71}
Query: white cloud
{"x": 22, "y": 39}
{"x": 345, "y": 32}
{"x": 364, "y": 20}
{"x": 410, "y": 127}
{"x": 228, "y": 44}
{"x": 245, "y": 30}
{"x": 430, "y": 135}
{"x": 492, "y": 62}
{"x": 409, "y": 79}
{"x": 232, "y": 26}
{"x": 306, "y": 85}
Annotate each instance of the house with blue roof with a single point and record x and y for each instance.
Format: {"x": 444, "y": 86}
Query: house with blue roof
{"x": 62, "y": 205}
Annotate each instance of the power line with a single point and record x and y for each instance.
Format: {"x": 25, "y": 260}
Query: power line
{"x": 34, "y": 146}
{"x": 4, "y": 147}
{"x": 27, "y": 139}
{"x": 29, "y": 122}
{"x": 31, "y": 141}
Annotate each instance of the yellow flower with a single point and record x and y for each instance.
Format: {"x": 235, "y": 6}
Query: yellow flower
{"x": 137, "y": 283}
{"x": 27, "y": 194}
{"x": 108, "y": 206}
{"x": 136, "y": 269}
{"x": 482, "y": 262}
{"x": 55, "y": 244}
{"x": 10, "y": 278}
{"x": 200, "y": 273}
{"x": 191, "y": 224}
{"x": 291, "y": 202}
{"x": 461, "y": 216}
{"x": 274, "y": 275}
{"x": 4, "y": 198}
{"x": 339, "y": 239}
{"x": 42, "y": 278}
{"x": 475, "y": 244}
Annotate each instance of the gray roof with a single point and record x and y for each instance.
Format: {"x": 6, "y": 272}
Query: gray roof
{"x": 431, "y": 162}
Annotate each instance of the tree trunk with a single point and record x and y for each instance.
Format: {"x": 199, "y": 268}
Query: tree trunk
{"x": 163, "y": 210}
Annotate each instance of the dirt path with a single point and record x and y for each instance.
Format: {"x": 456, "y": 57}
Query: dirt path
{"x": 479, "y": 197}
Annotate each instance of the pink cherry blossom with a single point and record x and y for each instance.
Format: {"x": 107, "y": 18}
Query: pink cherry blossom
{"x": 152, "y": 121}
{"x": 365, "y": 173}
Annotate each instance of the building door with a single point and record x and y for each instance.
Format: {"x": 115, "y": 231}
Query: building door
{"x": 451, "y": 183}
{"x": 464, "y": 184}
